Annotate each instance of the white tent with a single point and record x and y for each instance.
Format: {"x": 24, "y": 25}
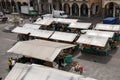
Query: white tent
{"x": 31, "y": 26}
{"x": 45, "y": 22}
{"x": 93, "y": 40}
{"x": 108, "y": 27}
{"x": 65, "y": 21}
{"x": 63, "y": 36}
{"x": 39, "y": 72}
{"x": 40, "y": 49}
{"x": 22, "y": 30}
{"x": 100, "y": 33}
{"x": 80, "y": 25}
{"x": 33, "y": 32}
{"x": 41, "y": 33}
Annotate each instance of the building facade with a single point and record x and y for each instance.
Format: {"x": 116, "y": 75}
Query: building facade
{"x": 82, "y": 7}
{"x": 108, "y": 8}
{"x": 111, "y": 8}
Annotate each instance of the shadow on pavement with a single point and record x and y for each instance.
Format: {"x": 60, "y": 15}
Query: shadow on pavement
{"x": 95, "y": 58}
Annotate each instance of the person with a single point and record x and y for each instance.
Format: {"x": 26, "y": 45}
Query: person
{"x": 30, "y": 19}
{"x": 81, "y": 69}
{"x": 13, "y": 62}
{"x": 10, "y": 64}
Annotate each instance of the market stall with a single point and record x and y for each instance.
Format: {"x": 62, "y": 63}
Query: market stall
{"x": 39, "y": 72}
{"x": 94, "y": 44}
{"x": 63, "y": 36}
{"x": 80, "y": 25}
{"x": 43, "y": 50}
{"x": 21, "y": 30}
{"x": 108, "y": 27}
{"x": 31, "y": 26}
{"x": 65, "y": 21}
{"x": 45, "y": 22}
{"x": 76, "y": 27}
{"x": 41, "y": 33}
{"x": 62, "y": 24}
{"x": 24, "y": 31}
{"x": 100, "y": 33}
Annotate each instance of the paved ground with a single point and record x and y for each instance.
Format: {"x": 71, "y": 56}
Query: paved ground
{"x": 101, "y": 68}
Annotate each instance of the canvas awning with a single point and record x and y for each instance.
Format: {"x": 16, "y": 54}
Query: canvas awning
{"x": 100, "y": 33}
{"x": 39, "y": 72}
{"x": 65, "y": 21}
{"x": 22, "y": 30}
{"x": 93, "y": 40}
{"x": 33, "y": 32}
{"x": 40, "y": 49}
{"x": 63, "y": 36}
{"x": 45, "y": 22}
{"x": 41, "y": 33}
{"x": 108, "y": 27}
{"x": 80, "y": 25}
{"x": 31, "y": 26}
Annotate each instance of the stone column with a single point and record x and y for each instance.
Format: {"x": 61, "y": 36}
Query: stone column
{"x": 114, "y": 11}
{"x": 70, "y": 11}
{"x": 89, "y": 12}
{"x": 79, "y": 11}
{"x": 103, "y": 12}
{"x": 40, "y": 8}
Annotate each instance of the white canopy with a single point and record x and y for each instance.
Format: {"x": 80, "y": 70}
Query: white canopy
{"x": 40, "y": 49}
{"x": 65, "y": 21}
{"x": 80, "y": 25}
{"x": 33, "y": 32}
{"x": 32, "y": 26}
{"x": 63, "y": 36}
{"x": 108, "y": 27}
{"x": 39, "y": 72}
{"x": 22, "y": 30}
{"x": 41, "y": 33}
{"x": 100, "y": 33}
{"x": 45, "y": 22}
{"x": 93, "y": 40}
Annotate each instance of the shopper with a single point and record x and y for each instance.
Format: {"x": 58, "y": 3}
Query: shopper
{"x": 10, "y": 64}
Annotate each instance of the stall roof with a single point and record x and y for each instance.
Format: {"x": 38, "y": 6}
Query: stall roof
{"x": 40, "y": 49}
{"x": 108, "y": 27}
{"x": 45, "y": 22}
{"x": 39, "y": 72}
{"x": 100, "y": 33}
{"x": 33, "y": 32}
{"x": 63, "y": 36}
{"x": 93, "y": 40}
{"x": 41, "y": 33}
{"x": 80, "y": 25}
{"x": 65, "y": 21}
{"x": 22, "y": 30}
{"x": 32, "y": 26}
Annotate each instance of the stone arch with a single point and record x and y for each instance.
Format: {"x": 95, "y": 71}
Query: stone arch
{"x": 75, "y": 9}
{"x": 24, "y": 4}
{"x": 107, "y": 2}
{"x": 67, "y": 8}
{"x": 111, "y": 9}
{"x": 12, "y": 2}
{"x": 84, "y": 9}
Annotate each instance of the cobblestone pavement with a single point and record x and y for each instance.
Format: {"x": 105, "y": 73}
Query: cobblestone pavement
{"x": 99, "y": 67}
